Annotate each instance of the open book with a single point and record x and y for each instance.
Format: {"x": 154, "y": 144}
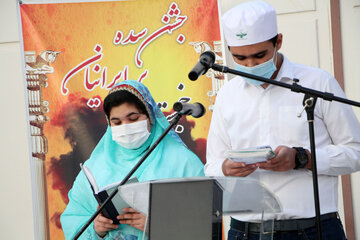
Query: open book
{"x": 251, "y": 155}
{"x": 115, "y": 206}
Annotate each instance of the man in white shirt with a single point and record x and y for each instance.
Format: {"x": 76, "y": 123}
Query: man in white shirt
{"x": 249, "y": 113}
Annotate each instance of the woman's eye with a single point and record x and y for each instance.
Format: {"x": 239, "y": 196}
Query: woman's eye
{"x": 134, "y": 118}
{"x": 116, "y": 123}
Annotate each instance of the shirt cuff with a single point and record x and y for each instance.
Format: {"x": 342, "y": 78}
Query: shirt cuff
{"x": 322, "y": 161}
{"x": 214, "y": 169}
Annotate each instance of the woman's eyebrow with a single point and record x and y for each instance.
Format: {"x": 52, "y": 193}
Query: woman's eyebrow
{"x": 132, "y": 113}
{"x": 128, "y": 115}
{"x": 114, "y": 118}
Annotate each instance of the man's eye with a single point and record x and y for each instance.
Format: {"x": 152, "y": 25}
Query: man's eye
{"x": 261, "y": 55}
{"x": 241, "y": 58}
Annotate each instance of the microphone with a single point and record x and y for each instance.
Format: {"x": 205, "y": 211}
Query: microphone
{"x": 196, "y": 109}
{"x": 206, "y": 60}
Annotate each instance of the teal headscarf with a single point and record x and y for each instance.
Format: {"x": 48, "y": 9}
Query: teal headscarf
{"x": 110, "y": 162}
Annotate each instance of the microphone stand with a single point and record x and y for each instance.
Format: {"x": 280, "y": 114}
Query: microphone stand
{"x": 309, "y": 102}
{"x": 174, "y": 122}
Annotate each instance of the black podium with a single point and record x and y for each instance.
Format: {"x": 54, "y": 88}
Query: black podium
{"x": 185, "y": 210}
{"x": 192, "y": 208}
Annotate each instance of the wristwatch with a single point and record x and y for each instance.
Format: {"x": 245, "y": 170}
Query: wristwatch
{"x": 301, "y": 158}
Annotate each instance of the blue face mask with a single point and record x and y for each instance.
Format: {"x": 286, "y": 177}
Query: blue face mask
{"x": 265, "y": 70}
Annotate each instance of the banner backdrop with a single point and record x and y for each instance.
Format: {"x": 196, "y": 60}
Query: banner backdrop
{"x": 75, "y": 52}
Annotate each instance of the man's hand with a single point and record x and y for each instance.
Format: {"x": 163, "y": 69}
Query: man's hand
{"x": 132, "y": 218}
{"x": 238, "y": 169}
{"x": 102, "y": 225}
{"x": 283, "y": 161}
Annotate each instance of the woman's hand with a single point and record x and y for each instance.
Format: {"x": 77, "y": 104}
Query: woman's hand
{"x": 102, "y": 225}
{"x": 132, "y": 218}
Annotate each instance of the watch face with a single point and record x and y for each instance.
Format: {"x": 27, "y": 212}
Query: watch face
{"x": 301, "y": 158}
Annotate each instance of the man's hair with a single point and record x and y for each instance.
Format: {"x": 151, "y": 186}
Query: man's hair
{"x": 122, "y": 96}
{"x": 274, "y": 39}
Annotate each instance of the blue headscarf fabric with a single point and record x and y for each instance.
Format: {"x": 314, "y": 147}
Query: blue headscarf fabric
{"x": 110, "y": 162}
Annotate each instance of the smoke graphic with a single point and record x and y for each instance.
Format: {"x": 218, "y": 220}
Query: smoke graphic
{"x": 83, "y": 128}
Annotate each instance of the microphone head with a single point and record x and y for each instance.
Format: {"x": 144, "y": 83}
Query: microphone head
{"x": 178, "y": 106}
{"x": 201, "y": 111}
{"x": 196, "y": 110}
{"x": 193, "y": 76}
{"x": 206, "y": 60}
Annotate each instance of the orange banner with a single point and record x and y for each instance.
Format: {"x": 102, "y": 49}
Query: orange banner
{"x": 75, "y": 52}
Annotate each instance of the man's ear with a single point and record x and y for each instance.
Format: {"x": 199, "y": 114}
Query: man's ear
{"x": 279, "y": 41}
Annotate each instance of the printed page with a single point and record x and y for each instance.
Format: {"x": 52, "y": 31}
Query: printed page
{"x": 90, "y": 178}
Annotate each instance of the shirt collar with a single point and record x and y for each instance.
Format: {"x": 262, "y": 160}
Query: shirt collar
{"x": 286, "y": 72}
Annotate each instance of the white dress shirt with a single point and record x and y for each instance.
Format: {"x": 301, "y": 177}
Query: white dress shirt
{"x": 247, "y": 116}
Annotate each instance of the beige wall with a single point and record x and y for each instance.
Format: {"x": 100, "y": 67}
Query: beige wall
{"x": 16, "y": 221}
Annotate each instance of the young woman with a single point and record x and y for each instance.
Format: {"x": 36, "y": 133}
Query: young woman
{"x": 135, "y": 123}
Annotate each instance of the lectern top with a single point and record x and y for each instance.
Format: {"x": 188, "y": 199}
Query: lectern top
{"x": 255, "y": 197}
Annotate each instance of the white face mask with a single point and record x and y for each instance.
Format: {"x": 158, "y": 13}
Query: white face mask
{"x": 131, "y": 135}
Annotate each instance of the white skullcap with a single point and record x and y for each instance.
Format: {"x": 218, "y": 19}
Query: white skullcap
{"x": 249, "y": 23}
